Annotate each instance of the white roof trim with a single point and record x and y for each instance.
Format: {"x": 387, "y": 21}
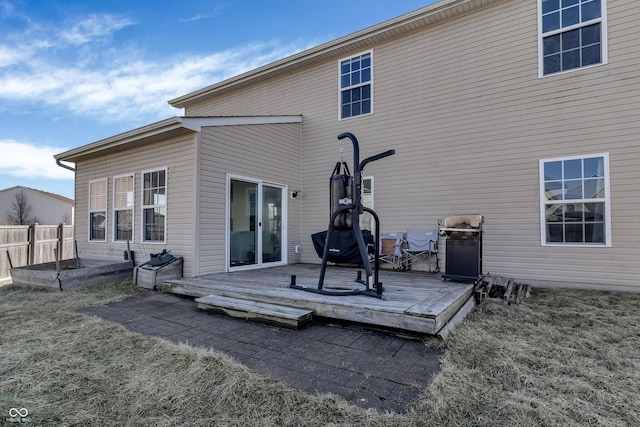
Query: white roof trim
{"x": 197, "y": 123}
{"x": 165, "y": 128}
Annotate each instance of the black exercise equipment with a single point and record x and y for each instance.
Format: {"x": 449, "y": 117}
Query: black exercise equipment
{"x": 346, "y": 208}
{"x": 343, "y": 246}
{"x": 341, "y": 192}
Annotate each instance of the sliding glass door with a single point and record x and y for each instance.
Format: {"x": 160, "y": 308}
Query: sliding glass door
{"x": 256, "y": 217}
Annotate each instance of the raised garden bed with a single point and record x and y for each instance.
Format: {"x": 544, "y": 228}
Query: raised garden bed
{"x": 70, "y": 273}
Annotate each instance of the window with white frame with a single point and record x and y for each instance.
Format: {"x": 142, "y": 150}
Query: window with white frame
{"x": 575, "y": 207}
{"x": 154, "y": 205}
{"x": 123, "y": 208}
{"x": 572, "y": 34}
{"x": 98, "y": 210}
{"x": 356, "y": 80}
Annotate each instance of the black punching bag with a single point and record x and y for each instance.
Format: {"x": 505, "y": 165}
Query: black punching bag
{"x": 341, "y": 193}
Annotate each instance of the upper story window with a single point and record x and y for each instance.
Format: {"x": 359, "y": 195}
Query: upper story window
{"x": 575, "y": 206}
{"x": 154, "y": 205}
{"x": 356, "y": 80}
{"x": 572, "y": 34}
{"x": 123, "y": 208}
{"x": 98, "y": 210}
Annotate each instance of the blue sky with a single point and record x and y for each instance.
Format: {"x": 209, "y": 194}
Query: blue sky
{"x": 75, "y": 71}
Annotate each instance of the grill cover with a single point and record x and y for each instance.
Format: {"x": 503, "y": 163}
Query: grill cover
{"x": 471, "y": 220}
{"x": 343, "y": 246}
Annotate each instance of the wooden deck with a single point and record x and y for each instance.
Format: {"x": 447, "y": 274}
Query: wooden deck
{"x": 412, "y": 301}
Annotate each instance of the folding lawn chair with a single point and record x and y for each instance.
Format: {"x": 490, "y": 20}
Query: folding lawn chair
{"x": 391, "y": 250}
{"x": 421, "y": 246}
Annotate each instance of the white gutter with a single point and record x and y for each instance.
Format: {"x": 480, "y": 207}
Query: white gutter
{"x": 62, "y": 165}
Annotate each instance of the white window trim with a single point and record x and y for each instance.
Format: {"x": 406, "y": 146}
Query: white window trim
{"x": 340, "y": 118}
{"x": 132, "y": 208}
{"x": 106, "y": 211}
{"x": 604, "y": 40}
{"x": 143, "y": 206}
{"x": 607, "y": 203}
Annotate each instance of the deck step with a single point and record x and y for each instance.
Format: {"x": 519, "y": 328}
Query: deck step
{"x": 280, "y": 315}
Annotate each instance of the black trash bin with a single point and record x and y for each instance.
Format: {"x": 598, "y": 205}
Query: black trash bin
{"x": 463, "y": 245}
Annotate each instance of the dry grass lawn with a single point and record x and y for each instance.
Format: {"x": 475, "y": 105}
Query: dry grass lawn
{"x": 561, "y": 358}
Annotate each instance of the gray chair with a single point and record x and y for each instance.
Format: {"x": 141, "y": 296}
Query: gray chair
{"x": 421, "y": 246}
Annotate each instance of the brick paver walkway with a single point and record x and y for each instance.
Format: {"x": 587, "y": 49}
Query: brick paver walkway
{"x": 368, "y": 368}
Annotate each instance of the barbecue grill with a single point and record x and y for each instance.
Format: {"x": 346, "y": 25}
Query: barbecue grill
{"x": 463, "y": 245}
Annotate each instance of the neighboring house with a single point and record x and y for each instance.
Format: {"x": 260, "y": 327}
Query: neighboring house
{"x": 43, "y": 207}
{"x": 526, "y": 112}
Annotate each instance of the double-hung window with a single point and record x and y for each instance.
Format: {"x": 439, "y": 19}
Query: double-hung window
{"x": 573, "y": 34}
{"x": 154, "y": 205}
{"x": 575, "y": 204}
{"x": 356, "y": 79}
{"x": 98, "y": 210}
{"x": 123, "y": 208}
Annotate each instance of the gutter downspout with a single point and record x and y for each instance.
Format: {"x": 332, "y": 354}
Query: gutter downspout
{"x": 59, "y": 163}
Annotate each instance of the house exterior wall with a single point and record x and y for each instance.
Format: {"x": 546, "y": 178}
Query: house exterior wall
{"x": 46, "y": 209}
{"x": 178, "y": 156}
{"x": 268, "y": 152}
{"x": 462, "y": 104}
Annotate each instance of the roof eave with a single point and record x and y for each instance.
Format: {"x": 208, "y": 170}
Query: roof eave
{"x": 169, "y": 128}
{"x": 139, "y": 136}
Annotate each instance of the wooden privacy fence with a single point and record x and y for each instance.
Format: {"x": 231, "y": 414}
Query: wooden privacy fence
{"x": 33, "y": 244}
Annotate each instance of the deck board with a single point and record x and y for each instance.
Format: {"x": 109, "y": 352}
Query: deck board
{"x": 412, "y": 301}
{"x": 289, "y": 317}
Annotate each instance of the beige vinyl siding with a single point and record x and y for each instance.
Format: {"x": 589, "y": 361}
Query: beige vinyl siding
{"x": 462, "y": 104}
{"x": 177, "y": 155}
{"x": 268, "y": 152}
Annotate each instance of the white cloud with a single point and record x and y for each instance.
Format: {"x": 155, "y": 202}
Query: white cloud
{"x": 36, "y": 42}
{"x": 197, "y": 17}
{"x": 93, "y": 27}
{"x": 6, "y": 9}
{"x": 9, "y": 56}
{"x": 80, "y": 72}
{"x": 116, "y": 91}
{"x": 26, "y": 160}
{"x": 214, "y": 11}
